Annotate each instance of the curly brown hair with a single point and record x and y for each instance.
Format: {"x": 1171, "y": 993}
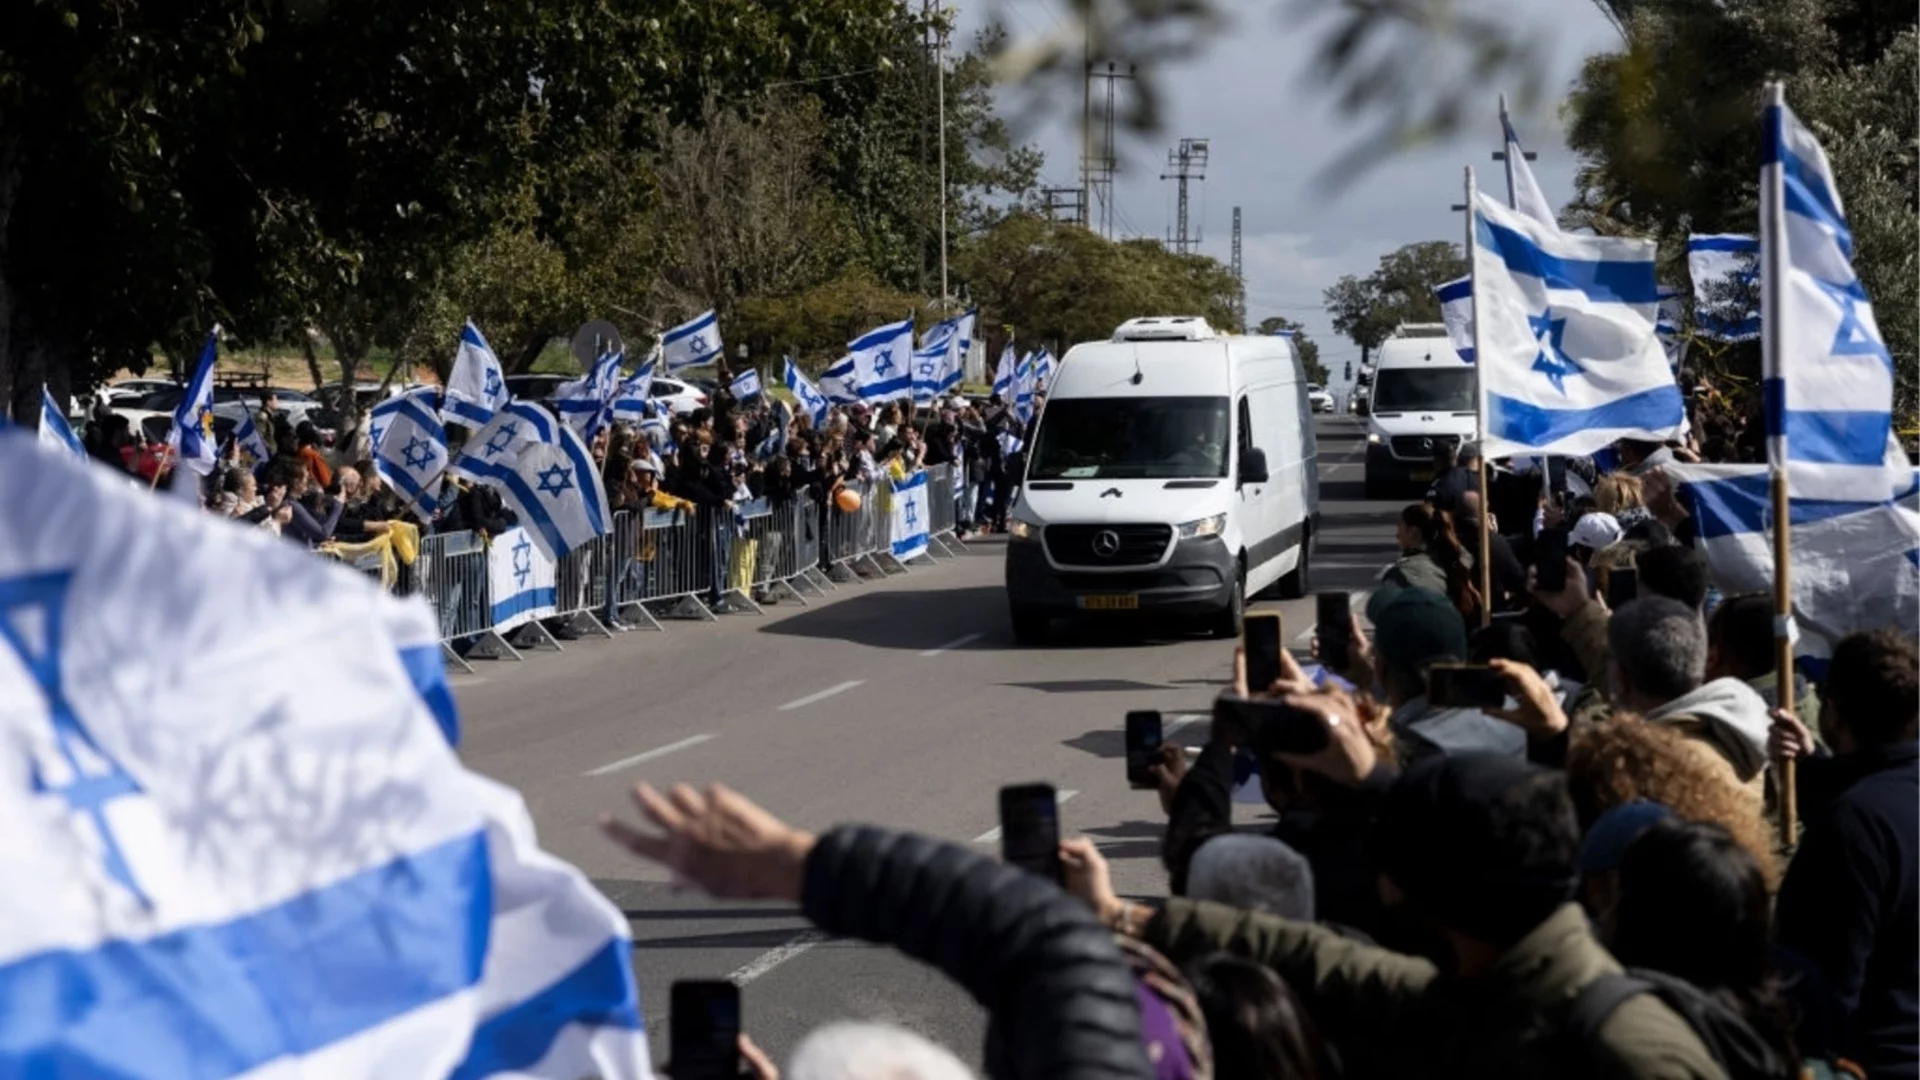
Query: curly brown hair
{"x": 1616, "y": 761}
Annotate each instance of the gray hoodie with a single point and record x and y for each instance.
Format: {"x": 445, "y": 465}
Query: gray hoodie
{"x": 1728, "y": 715}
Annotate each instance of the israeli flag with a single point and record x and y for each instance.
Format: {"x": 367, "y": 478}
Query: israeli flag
{"x": 957, "y": 355}
{"x": 1725, "y": 268}
{"x": 1456, "y": 310}
{"x": 812, "y": 401}
{"x": 932, "y": 358}
{"x": 56, "y": 432}
{"x": 192, "y": 436}
{"x": 498, "y": 445}
{"x": 882, "y": 358}
{"x": 1043, "y": 369}
{"x": 746, "y": 385}
{"x": 555, "y": 490}
{"x": 840, "y": 383}
{"x": 247, "y": 437}
{"x": 1023, "y": 387}
{"x": 476, "y": 387}
{"x": 1003, "y": 376}
{"x": 1667, "y": 326}
{"x": 411, "y": 455}
{"x": 692, "y": 343}
{"x": 586, "y": 403}
{"x": 910, "y": 517}
{"x": 221, "y": 872}
{"x": 633, "y": 399}
{"x": 658, "y": 434}
{"x": 1011, "y": 443}
{"x": 520, "y": 579}
{"x": 1828, "y": 388}
{"x": 1568, "y": 360}
{"x": 1528, "y": 199}
{"x": 1855, "y": 564}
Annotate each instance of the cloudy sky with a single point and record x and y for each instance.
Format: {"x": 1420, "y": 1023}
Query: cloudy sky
{"x": 1272, "y": 134}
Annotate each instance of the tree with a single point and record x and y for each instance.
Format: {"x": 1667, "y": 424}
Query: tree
{"x": 1400, "y": 290}
{"x": 1307, "y": 348}
{"x": 1668, "y": 134}
{"x": 1059, "y": 284}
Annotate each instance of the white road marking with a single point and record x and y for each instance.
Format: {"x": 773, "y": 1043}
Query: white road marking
{"x": 773, "y": 958}
{"x": 954, "y": 644}
{"x": 663, "y": 751}
{"x": 801, "y": 703}
{"x": 993, "y": 834}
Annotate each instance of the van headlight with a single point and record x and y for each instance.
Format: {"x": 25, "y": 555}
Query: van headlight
{"x": 1206, "y": 526}
{"x": 1373, "y": 437}
{"x": 1022, "y": 530}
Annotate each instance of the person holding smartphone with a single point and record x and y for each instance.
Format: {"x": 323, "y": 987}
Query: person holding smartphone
{"x": 1412, "y": 630}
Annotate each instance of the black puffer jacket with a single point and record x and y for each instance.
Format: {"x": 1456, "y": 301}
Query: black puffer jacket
{"x": 1059, "y": 993}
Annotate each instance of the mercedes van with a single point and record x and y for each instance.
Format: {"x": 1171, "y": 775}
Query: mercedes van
{"x": 1173, "y": 472}
{"x": 1422, "y": 399}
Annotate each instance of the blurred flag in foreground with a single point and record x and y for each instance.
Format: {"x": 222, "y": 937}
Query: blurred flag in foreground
{"x": 222, "y": 872}
{"x": 54, "y": 429}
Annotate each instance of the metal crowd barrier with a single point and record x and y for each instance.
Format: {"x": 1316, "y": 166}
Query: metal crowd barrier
{"x": 451, "y": 573}
{"x": 580, "y": 583}
{"x": 943, "y": 503}
{"x": 655, "y": 558}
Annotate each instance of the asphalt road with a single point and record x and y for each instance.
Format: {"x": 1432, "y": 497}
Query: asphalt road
{"x": 902, "y": 702}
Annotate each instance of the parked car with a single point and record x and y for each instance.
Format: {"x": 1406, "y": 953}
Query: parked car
{"x": 128, "y": 391}
{"x": 1321, "y": 400}
{"x": 677, "y": 395}
{"x": 536, "y": 388}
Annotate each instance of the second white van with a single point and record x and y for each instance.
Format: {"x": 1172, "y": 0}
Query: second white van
{"x": 1422, "y": 399}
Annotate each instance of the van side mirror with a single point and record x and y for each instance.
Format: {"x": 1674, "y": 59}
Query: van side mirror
{"x": 1253, "y": 466}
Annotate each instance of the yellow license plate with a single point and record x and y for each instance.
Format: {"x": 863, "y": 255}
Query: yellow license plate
{"x": 1126, "y": 602}
{"x": 1421, "y": 476}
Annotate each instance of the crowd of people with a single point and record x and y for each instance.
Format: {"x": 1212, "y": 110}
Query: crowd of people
{"x": 1586, "y": 880}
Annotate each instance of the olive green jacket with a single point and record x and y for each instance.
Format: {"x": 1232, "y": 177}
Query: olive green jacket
{"x": 1394, "y": 1015}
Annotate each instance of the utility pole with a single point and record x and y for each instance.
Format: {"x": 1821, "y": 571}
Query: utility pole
{"x": 1240, "y": 302}
{"x": 1500, "y": 155}
{"x": 940, "y": 110}
{"x": 1063, "y": 204}
{"x": 1101, "y": 167}
{"x": 1189, "y": 162}
{"x": 1086, "y": 119}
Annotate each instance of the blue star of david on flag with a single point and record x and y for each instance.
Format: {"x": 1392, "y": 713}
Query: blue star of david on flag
{"x": 1852, "y": 338}
{"x": 913, "y": 515}
{"x": 418, "y": 452}
{"x": 92, "y": 780}
{"x": 883, "y": 362}
{"x": 522, "y": 561}
{"x": 494, "y": 385}
{"x": 502, "y": 439}
{"x": 1553, "y": 362}
{"x": 554, "y": 480}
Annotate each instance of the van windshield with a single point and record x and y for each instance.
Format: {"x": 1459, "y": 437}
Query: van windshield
{"x": 1144, "y": 438}
{"x": 1448, "y": 389}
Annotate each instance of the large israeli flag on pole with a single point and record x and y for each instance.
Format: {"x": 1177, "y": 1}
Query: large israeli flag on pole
{"x": 498, "y": 445}
{"x": 1456, "y": 311}
{"x": 411, "y": 453}
{"x": 692, "y": 343}
{"x": 932, "y": 358}
{"x": 1828, "y": 387}
{"x": 1566, "y": 352}
{"x": 1855, "y": 564}
{"x": 882, "y": 359}
{"x": 1725, "y": 268}
{"x": 1003, "y": 376}
{"x": 192, "y": 434}
{"x": 54, "y": 429}
{"x": 555, "y": 490}
{"x": 476, "y": 387}
{"x": 911, "y": 522}
{"x": 634, "y": 394}
{"x": 811, "y": 400}
{"x": 219, "y": 870}
{"x": 1526, "y": 197}
{"x": 840, "y": 383}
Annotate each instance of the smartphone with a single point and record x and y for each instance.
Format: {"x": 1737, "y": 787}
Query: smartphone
{"x": 1275, "y": 726}
{"x": 1557, "y": 481}
{"x": 1144, "y": 735}
{"x": 1260, "y": 637}
{"x": 705, "y": 1036}
{"x": 1465, "y": 686}
{"x": 1623, "y": 587}
{"x": 1030, "y": 828}
{"x": 1550, "y": 560}
{"x": 1335, "y": 629}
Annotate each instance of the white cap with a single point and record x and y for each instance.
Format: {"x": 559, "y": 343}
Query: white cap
{"x": 1596, "y": 530}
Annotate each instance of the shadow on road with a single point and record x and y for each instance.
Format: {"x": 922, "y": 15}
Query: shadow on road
{"x": 1088, "y": 686}
{"x": 900, "y": 619}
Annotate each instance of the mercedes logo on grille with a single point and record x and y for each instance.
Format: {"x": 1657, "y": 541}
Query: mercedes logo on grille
{"x": 1106, "y": 543}
{"x": 1426, "y": 444}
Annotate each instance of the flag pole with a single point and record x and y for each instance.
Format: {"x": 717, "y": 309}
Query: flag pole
{"x": 1483, "y": 559}
{"x": 1773, "y": 271}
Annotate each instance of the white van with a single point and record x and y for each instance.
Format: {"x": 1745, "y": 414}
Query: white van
{"x": 1422, "y": 399}
{"x": 1174, "y": 472}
